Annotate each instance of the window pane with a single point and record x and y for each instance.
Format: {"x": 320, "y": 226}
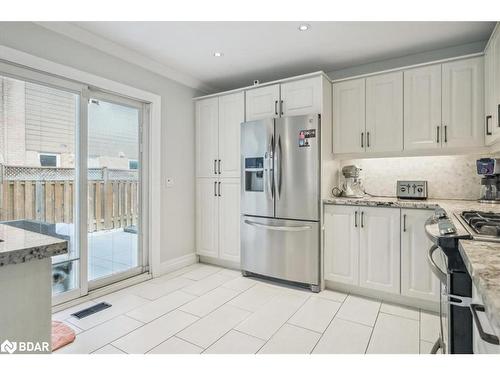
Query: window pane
{"x": 113, "y": 204}
{"x": 37, "y": 161}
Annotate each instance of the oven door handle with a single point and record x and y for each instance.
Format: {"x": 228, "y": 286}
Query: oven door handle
{"x": 442, "y": 276}
{"x": 488, "y": 337}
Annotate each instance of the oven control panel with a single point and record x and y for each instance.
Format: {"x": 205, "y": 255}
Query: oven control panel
{"x": 411, "y": 189}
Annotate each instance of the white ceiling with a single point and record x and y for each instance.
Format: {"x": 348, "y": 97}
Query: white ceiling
{"x": 272, "y": 50}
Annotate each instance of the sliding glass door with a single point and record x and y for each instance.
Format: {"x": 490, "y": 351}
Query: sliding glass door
{"x": 114, "y": 165}
{"x": 72, "y": 166}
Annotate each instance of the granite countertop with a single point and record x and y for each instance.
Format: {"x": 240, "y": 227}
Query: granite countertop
{"x": 482, "y": 260}
{"x": 451, "y": 206}
{"x": 19, "y": 245}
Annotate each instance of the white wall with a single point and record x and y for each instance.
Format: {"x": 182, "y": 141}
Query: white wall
{"x": 177, "y": 219}
{"x": 418, "y": 58}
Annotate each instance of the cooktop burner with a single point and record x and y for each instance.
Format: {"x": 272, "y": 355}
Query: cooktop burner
{"x": 484, "y": 223}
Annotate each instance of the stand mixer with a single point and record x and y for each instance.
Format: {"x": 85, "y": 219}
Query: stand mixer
{"x": 352, "y": 186}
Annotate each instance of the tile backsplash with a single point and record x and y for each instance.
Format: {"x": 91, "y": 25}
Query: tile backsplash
{"x": 449, "y": 177}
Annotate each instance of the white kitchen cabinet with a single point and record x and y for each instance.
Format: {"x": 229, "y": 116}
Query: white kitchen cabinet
{"x": 231, "y": 115}
{"x": 349, "y": 116}
{"x": 207, "y": 217}
{"x": 422, "y": 108}
{"x": 207, "y": 139}
{"x": 379, "y": 249}
{"x": 341, "y": 244}
{"x": 489, "y": 96}
{"x": 463, "y": 103}
{"x": 384, "y": 112}
{"x": 262, "y": 102}
{"x": 301, "y": 97}
{"x": 218, "y": 218}
{"x": 495, "y": 49}
{"x": 229, "y": 219}
{"x": 417, "y": 279}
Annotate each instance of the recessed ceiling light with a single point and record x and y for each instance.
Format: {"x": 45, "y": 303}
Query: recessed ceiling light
{"x": 304, "y": 27}
{"x": 218, "y": 54}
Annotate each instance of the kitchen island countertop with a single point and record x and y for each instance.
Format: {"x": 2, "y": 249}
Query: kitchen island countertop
{"x": 20, "y": 246}
{"x": 482, "y": 260}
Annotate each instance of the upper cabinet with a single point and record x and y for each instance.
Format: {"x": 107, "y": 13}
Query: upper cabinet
{"x": 463, "y": 103}
{"x": 349, "y": 116}
{"x": 262, "y": 102}
{"x": 301, "y": 97}
{"x": 207, "y": 139}
{"x": 218, "y": 122}
{"x": 422, "y": 108}
{"x": 368, "y": 114}
{"x": 492, "y": 88}
{"x": 231, "y": 115}
{"x": 442, "y": 107}
{"x": 384, "y": 113}
{"x": 292, "y": 98}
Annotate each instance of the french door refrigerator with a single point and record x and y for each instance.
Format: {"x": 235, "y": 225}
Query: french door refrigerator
{"x": 280, "y": 199}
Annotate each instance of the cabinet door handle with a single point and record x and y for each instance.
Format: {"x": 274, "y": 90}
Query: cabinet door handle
{"x": 276, "y": 107}
{"x": 437, "y": 134}
{"x": 215, "y": 188}
{"x": 498, "y": 115}
{"x": 215, "y": 166}
{"x": 404, "y": 223}
{"x": 219, "y": 166}
{"x": 355, "y": 219}
{"x": 362, "y": 219}
{"x": 488, "y": 131}
{"x": 367, "y": 139}
{"x": 362, "y": 137}
{"x": 445, "y": 133}
{"x": 219, "y": 190}
{"x": 281, "y": 107}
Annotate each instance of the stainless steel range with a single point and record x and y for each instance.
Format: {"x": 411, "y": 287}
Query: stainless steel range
{"x": 482, "y": 225}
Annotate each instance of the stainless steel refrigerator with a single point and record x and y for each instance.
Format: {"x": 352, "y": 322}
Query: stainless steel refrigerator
{"x": 280, "y": 199}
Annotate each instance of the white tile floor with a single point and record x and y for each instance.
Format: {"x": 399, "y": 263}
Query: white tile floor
{"x": 207, "y": 309}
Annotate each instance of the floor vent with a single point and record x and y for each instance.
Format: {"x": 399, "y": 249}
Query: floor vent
{"x": 91, "y": 310}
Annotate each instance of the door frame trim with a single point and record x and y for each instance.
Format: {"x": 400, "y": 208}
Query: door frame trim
{"x": 153, "y": 194}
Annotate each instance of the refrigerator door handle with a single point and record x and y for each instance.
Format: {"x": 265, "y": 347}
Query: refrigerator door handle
{"x": 299, "y": 228}
{"x": 270, "y": 169}
{"x": 277, "y": 169}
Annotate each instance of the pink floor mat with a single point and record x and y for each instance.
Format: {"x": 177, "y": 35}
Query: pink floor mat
{"x": 61, "y": 335}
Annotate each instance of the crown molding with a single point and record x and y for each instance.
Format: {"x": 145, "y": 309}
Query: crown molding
{"x": 111, "y": 48}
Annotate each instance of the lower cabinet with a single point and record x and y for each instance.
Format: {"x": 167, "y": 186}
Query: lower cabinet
{"x": 218, "y": 218}
{"x": 362, "y": 246}
{"x": 417, "y": 280}
{"x": 341, "y": 256}
{"x": 379, "y": 248}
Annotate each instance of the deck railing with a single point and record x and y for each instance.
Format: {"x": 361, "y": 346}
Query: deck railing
{"x": 111, "y": 203}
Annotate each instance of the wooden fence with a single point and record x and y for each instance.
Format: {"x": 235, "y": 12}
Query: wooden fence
{"x": 111, "y": 204}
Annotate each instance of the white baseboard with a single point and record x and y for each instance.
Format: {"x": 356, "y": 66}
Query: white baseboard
{"x": 176, "y": 264}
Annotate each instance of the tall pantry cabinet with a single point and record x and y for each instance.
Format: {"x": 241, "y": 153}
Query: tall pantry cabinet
{"x": 218, "y": 121}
